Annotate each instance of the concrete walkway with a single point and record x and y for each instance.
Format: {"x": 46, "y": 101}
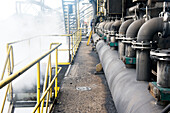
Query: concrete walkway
{"x": 82, "y": 91}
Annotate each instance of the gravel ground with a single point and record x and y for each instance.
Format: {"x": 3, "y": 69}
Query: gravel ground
{"x": 82, "y": 91}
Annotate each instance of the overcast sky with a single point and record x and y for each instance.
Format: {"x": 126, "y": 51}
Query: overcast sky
{"x": 7, "y": 7}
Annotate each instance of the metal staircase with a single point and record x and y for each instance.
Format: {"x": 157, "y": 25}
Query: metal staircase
{"x": 70, "y": 15}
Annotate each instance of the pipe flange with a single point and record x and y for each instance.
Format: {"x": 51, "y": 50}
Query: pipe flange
{"x": 120, "y": 37}
{"x": 160, "y": 54}
{"x": 130, "y": 39}
{"x": 142, "y": 45}
{"x": 127, "y": 42}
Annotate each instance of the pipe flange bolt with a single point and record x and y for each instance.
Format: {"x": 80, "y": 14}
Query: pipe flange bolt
{"x": 160, "y": 54}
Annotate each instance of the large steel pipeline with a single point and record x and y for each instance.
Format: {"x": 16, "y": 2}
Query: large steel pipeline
{"x": 129, "y": 95}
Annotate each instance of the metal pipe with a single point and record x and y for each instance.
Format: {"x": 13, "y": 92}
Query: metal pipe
{"x": 136, "y": 7}
{"x": 132, "y": 34}
{"x": 163, "y": 71}
{"x": 124, "y": 26}
{"x": 133, "y": 28}
{"x": 122, "y": 32}
{"x": 145, "y": 35}
{"x": 166, "y": 109}
{"x": 116, "y": 25}
{"x": 129, "y": 95}
{"x": 149, "y": 29}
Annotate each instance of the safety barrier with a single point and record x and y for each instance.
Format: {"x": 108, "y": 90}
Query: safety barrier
{"x": 74, "y": 42}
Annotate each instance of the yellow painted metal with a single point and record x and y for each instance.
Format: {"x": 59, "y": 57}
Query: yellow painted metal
{"x": 45, "y": 81}
{"x": 47, "y": 102}
{"x": 2, "y": 108}
{"x": 47, "y": 90}
{"x": 89, "y": 38}
{"x": 38, "y": 86}
{"x": 56, "y": 70}
{"x": 10, "y": 70}
{"x": 9, "y": 63}
{"x": 6, "y": 61}
{"x": 50, "y": 78}
{"x": 63, "y": 49}
{"x": 64, "y": 63}
{"x": 18, "y": 73}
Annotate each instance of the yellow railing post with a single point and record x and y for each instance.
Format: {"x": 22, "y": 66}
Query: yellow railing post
{"x": 80, "y": 35}
{"x": 56, "y": 70}
{"x": 50, "y": 77}
{"x": 2, "y": 108}
{"x": 38, "y": 86}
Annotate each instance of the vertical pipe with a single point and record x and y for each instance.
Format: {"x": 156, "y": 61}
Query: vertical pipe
{"x": 56, "y": 72}
{"x": 163, "y": 72}
{"x": 143, "y": 65}
{"x": 38, "y": 86}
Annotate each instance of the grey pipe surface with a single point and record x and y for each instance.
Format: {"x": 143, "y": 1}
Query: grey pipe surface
{"x": 116, "y": 25}
{"x": 124, "y": 26}
{"x": 163, "y": 72}
{"x": 129, "y": 95}
{"x": 133, "y": 28}
{"x": 132, "y": 32}
{"x": 109, "y": 25}
{"x": 143, "y": 65}
{"x": 122, "y": 31}
{"x": 149, "y": 29}
{"x": 145, "y": 34}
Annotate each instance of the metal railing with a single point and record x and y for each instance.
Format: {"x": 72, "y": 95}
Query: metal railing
{"x": 74, "y": 42}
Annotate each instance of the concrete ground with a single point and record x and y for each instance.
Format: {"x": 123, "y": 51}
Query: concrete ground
{"x": 82, "y": 91}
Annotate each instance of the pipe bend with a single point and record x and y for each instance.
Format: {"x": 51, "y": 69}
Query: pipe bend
{"x": 116, "y": 25}
{"x": 106, "y": 25}
{"x": 109, "y": 25}
{"x": 149, "y": 29}
{"x": 124, "y": 26}
{"x": 133, "y": 29}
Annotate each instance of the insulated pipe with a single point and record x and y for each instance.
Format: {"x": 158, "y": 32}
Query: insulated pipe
{"x": 129, "y": 95}
{"x": 122, "y": 32}
{"x": 132, "y": 33}
{"x": 145, "y": 34}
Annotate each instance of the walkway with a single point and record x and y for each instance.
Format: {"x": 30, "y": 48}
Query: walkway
{"x": 82, "y": 91}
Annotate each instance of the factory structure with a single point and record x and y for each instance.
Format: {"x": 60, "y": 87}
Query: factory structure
{"x": 117, "y": 60}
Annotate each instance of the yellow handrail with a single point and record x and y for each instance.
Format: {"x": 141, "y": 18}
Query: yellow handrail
{"x": 45, "y": 93}
{"x": 9, "y": 63}
{"x": 18, "y": 73}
